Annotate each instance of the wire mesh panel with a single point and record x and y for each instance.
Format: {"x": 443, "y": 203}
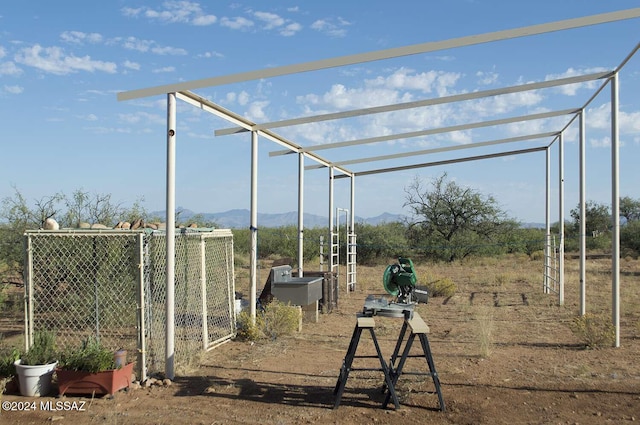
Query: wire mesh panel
{"x": 112, "y": 285}
{"x": 83, "y": 284}
{"x": 220, "y": 286}
{"x": 204, "y": 293}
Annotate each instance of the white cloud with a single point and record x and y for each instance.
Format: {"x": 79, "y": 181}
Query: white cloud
{"x": 131, "y": 65}
{"x": 599, "y": 117}
{"x": 256, "y": 111}
{"x": 133, "y": 43}
{"x": 13, "y": 89}
{"x": 55, "y": 61}
{"x": 77, "y": 37}
{"x": 212, "y": 54}
{"x": 271, "y": 20}
{"x": 495, "y": 105}
{"x": 205, "y": 20}
{"x": 89, "y": 117}
{"x": 183, "y": 12}
{"x": 237, "y": 23}
{"x": 572, "y": 89}
{"x": 3, "y": 52}
{"x": 144, "y": 117}
{"x": 166, "y": 50}
{"x": 486, "y": 78}
{"x": 290, "y": 29}
{"x": 332, "y": 27}
{"x": 604, "y": 142}
{"x": 10, "y": 68}
{"x": 243, "y": 98}
{"x": 407, "y": 79}
{"x": 165, "y": 69}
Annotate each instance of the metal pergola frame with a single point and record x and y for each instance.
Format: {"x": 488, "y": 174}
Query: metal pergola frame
{"x": 183, "y": 92}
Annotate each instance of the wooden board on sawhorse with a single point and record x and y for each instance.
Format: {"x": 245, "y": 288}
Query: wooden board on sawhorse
{"x": 419, "y": 328}
{"x": 361, "y": 324}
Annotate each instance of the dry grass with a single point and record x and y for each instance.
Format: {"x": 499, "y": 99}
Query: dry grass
{"x": 512, "y": 282}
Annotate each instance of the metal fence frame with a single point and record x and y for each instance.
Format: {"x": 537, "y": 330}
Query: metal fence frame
{"x": 110, "y": 284}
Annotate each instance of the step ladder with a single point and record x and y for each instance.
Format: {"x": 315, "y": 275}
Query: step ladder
{"x": 335, "y": 255}
{"x": 419, "y": 328}
{"x": 361, "y": 324}
{"x": 351, "y": 262}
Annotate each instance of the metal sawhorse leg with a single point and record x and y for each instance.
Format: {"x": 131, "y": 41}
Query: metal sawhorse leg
{"x": 418, "y": 328}
{"x": 363, "y": 323}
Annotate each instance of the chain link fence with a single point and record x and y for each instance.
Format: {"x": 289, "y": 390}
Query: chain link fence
{"x": 111, "y": 284}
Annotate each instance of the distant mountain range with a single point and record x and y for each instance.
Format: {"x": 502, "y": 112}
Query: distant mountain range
{"x": 240, "y": 218}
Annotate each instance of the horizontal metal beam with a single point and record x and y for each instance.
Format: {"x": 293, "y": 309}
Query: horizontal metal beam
{"x": 213, "y": 108}
{"x": 419, "y": 103}
{"x": 431, "y": 131}
{"x": 441, "y": 149}
{"x": 384, "y": 54}
{"x": 445, "y": 162}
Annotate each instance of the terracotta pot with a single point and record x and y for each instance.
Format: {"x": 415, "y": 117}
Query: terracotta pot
{"x": 88, "y": 383}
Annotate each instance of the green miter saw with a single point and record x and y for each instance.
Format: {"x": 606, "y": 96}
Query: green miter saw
{"x": 400, "y": 280}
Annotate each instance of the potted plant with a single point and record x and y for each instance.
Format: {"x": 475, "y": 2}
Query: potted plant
{"x": 92, "y": 369}
{"x": 35, "y": 367}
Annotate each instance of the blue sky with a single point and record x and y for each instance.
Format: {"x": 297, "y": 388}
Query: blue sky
{"x": 62, "y": 64}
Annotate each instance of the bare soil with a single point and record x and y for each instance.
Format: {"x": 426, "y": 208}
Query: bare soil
{"x": 503, "y": 350}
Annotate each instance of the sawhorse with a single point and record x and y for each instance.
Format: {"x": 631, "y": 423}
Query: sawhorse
{"x": 363, "y": 323}
{"x": 418, "y": 328}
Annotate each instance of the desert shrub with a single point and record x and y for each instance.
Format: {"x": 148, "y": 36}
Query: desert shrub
{"x": 595, "y": 331}
{"x": 7, "y": 358}
{"x": 275, "y": 320}
{"x": 247, "y": 330}
{"x": 537, "y": 255}
{"x": 441, "y": 288}
{"x": 280, "y": 319}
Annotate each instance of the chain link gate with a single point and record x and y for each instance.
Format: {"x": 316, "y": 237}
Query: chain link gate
{"x": 111, "y": 284}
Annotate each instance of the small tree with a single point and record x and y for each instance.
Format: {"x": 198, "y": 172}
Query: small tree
{"x": 16, "y": 216}
{"x": 630, "y": 208}
{"x": 452, "y": 221}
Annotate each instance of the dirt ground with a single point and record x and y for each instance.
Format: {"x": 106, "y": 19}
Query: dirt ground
{"x": 503, "y": 350}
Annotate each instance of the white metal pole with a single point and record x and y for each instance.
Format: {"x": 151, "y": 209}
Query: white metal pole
{"x": 203, "y": 293}
{"x": 300, "y": 214}
{"x": 547, "y": 221}
{"x": 561, "y": 219}
{"x": 353, "y": 204}
{"x": 331, "y": 219}
{"x": 615, "y": 208}
{"x": 253, "y": 227}
{"x": 171, "y": 236}
{"x": 142, "y": 331}
{"x": 28, "y": 301}
{"x": 351, "y": 250}
{"x": 583, "y": 217}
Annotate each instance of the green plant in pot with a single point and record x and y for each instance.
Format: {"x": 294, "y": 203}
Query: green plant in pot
{"x": 92, "y": 369}
{"x": 35, "y": 366}
{"x": 90, "y": 357}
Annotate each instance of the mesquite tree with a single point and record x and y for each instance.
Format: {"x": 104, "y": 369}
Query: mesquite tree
{"x": 451, "y": 222}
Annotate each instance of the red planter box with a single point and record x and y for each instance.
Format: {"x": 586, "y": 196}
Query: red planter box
{"x": 86, "y": 383}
